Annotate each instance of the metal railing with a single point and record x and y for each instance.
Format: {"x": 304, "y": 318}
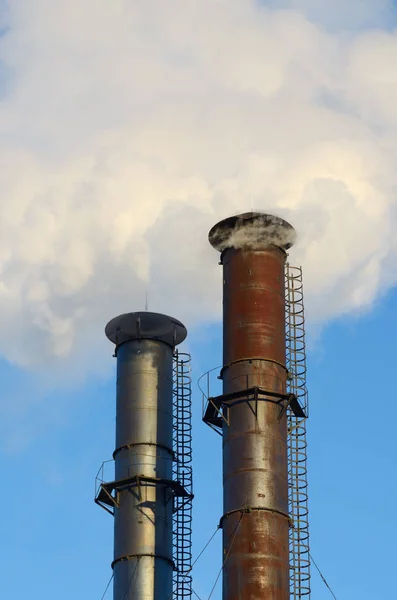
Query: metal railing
{"x": 182, "y": 472}
{"x": 105, "y": 473}
{"x": 297, "y": 444}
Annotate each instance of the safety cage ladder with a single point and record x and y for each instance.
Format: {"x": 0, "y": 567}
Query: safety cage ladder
{"x": 182, "y": 446}
{"x": 297, "y": 444}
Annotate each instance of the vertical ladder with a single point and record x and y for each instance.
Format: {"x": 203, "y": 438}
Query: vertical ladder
{"x": 182, "y": 472}
{"x": 297, "y": 445}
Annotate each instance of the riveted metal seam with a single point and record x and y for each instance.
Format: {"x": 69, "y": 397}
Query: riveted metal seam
{"x": 248, "y": 509}
{"x": 251, "y": 360}
{"x": 132, "y": 556}
{"x": 129, "y": 446}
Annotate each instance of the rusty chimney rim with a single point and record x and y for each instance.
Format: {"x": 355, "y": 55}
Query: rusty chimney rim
{"x": 145, "y": 325}
{"x": 252, "y": 230}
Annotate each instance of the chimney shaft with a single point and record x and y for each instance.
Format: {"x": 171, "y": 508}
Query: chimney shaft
{"x": 255, "y": 522}
{"x": 143, "y": 564}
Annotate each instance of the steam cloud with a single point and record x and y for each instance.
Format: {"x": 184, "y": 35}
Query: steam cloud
{"x": 252, "y": 230}
{"x": 129, "y": 128}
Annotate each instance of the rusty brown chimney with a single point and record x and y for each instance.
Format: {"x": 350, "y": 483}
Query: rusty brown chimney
{"x": 252, "y": 409}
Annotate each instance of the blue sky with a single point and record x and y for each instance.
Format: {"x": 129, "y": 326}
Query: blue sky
{"x": 56, "y": 540}
{"x": 124, "y": 136}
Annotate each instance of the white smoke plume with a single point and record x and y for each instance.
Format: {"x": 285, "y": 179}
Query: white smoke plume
{"x": 129, "y": 128}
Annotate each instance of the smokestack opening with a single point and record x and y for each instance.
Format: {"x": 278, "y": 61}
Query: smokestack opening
{"x": 251, "y": 230}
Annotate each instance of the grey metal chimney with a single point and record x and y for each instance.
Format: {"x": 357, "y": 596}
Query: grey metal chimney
{"x": 142, "y": 495}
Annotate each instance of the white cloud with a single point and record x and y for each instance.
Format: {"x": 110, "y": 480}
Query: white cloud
{"x": 128, "y": 129}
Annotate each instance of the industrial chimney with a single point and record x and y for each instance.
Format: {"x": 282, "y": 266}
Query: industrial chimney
{"x": 252, "y": 412}
{"x": 151, "y": 481}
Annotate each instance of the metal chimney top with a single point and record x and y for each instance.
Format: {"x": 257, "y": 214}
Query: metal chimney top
{"x": 145, "y": 326}
{"x": 250, "y": 230}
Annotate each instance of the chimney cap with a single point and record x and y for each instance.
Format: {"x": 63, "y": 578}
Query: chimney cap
{"x": 252, "y": 230}
{"x": 145, "y": 326}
